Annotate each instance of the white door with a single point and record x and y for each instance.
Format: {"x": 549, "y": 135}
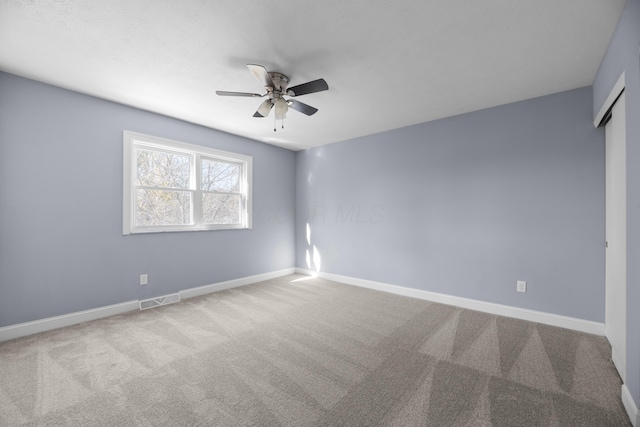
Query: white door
{"x": 616, "y": 232}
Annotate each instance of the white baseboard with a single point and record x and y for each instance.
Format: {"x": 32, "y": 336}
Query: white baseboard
{"x": 42, "y": 325}
{"x": 630, "y": 406}
{"x": 587, "y": 326}
{"x": 221, "y": 286}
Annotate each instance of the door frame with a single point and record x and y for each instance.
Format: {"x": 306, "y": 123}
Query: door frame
{"x": 616, "y": 243}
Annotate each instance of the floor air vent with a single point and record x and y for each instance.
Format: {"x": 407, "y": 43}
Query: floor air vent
{"x": 157, "y": 302}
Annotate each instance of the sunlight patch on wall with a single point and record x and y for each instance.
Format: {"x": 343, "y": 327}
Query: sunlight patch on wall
{"x": 312, "y": 256}
{"x": 317, "y": 259}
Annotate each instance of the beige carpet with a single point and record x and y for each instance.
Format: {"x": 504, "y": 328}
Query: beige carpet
{"x": 303, "y": 351}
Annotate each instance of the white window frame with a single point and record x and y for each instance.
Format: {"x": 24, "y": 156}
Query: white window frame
{"x": 133, "y": 141}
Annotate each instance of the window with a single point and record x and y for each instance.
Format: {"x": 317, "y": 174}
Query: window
{"x": 174, "y": 186}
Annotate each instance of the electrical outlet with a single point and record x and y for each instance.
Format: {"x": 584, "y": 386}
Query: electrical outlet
{"x": 144, "y": 279}
{"x": 521, "y": 286}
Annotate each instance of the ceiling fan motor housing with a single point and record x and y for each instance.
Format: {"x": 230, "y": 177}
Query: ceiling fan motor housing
{"x": 280, "y": 81}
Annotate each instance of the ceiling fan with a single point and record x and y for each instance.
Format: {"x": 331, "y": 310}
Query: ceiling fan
{"x": 275, "y": 84}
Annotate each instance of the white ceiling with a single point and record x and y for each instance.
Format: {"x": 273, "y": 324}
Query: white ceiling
{"x": 388, "y": 64}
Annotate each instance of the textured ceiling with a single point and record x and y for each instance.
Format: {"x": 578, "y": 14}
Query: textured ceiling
{"x": 388, "y": 64}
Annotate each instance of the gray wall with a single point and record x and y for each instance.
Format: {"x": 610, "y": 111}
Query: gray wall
{"x": 467, "y": 206}
{"x": 61, "y": 243}
{"x": 623, "y": 54}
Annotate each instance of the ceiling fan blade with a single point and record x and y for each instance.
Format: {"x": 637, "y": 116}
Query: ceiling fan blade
{"x": 261, "y": 74}
{"x": 225, "y": 93}
{"x": 309, "y": 87}
{"x": 264, "y": 109}
{"x": 302, "y": 107}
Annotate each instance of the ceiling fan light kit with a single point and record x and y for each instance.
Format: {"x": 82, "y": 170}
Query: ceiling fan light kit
{"x": 275, "y": 84}
{"x": 281, "y": 109}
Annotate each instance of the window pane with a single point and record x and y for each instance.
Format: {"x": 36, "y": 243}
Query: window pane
{"x": 159, "y": 207}
{"x": 159, "y": 169}
{"x": 220, "y": 176}
{"x": 221, "y": 208}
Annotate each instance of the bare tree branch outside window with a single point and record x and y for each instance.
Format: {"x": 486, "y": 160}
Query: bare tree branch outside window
{"x": 220, "y": 180}
{"x": 164, "y": 189}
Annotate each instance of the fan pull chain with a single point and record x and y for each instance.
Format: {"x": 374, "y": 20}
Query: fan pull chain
{"x": 275, "y": 124}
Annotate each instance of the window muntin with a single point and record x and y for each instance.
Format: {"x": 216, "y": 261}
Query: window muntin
{"x": 174, "y": 186}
